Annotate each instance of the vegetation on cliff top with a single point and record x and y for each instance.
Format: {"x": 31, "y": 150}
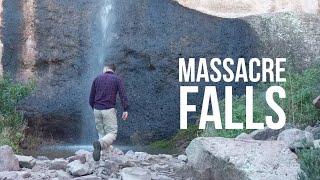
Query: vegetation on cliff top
{"x": 11, "y": 121}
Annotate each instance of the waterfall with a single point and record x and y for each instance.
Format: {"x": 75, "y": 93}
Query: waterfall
{"x": 100, "y": 39}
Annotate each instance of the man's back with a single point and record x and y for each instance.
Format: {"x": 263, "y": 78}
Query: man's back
{"x": 104, "y": 92}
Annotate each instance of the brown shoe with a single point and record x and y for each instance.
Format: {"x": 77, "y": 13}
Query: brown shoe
{"x": 96, "y": 150}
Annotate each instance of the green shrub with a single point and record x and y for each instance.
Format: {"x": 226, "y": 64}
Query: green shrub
{"x": 185, "y": 135}
{"x": 11, "y": 120}
{"x": 300, "y": 88}
{"x": 310, "y": 164}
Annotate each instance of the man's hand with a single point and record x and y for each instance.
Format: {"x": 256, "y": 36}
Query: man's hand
{"x": 125, "y": 115}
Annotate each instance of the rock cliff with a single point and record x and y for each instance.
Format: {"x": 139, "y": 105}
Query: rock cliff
{"x": 240, "y": 8}
{"x": 63, "y": 43}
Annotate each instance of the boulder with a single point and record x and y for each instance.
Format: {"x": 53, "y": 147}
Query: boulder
{"x": 26, "y": 161}
{"x": 296, "y": 138}
{"x": 82, "y": 158}
{"x": 10, "y": 175}
{"x": 76, "y": 168}
{"x": 228, "y": 159}
{"x": 244, "y": 136}
{"x": 314, "y": 130}
{"x": 135, "y": 173}
{"x": 8, "y": 161}
{"x": 265, "y": 134}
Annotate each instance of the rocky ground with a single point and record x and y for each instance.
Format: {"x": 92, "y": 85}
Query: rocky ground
{"x": 113, "y": 165}
{"x": 262, "y": 154}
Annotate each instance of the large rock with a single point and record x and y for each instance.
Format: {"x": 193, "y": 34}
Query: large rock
{"x": 8, "y": 161}
{"x": 135, "y": 173}
{"x": 26, "y": 161}
{"x": 76, "y": 168}
{"x": 228, "y": 159}
{"x": 314, "y": 130}
{"x": 296, "y": 138}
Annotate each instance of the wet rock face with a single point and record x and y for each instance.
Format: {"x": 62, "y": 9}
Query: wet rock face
{"x": 62, "y": 63}
{"x": 144, "y": 39}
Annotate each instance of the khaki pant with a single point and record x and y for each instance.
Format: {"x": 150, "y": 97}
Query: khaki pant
{"x": 107, "y": 126}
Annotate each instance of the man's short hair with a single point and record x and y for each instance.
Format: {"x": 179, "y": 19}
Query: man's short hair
{"x": 111, "y": 66}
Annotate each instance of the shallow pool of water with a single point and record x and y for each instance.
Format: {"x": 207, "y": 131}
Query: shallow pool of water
{"x": 67, "y": 150}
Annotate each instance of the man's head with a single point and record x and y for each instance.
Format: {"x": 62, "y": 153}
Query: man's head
{"x": 109, "y": 67}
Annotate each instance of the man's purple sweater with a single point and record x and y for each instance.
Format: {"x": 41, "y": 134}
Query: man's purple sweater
{"x": 104, "y": 92}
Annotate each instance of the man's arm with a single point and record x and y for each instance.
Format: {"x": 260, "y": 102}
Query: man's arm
{"x": 123, "y": 96}
{"x": 92, "y": 94}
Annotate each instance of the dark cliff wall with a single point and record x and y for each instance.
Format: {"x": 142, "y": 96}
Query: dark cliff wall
{"x": 151, "y": 36}
{"x": 63, "y": 40}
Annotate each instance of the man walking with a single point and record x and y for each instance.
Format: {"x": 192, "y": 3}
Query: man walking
{"x": 103, "y": 97}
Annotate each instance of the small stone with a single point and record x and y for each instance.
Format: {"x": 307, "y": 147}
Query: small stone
{"x": 36, "y": 168}
{"x": 141, "y": 156}
{"x": 144, "y": 163}
{"x": 129, "y": 153}
{"x": 76, "y": 168}
{"x": 62, "y": 175}
{"x": 135, "y": 173}
{"x": 112, "y": 166}
{"x": 183, "y": 158}
{"x": 117, "y": 151}
{"x": 50, "y": 173}
{"x": 24, "y": 174}
{"x": 81, "y": 158}
{"x": 113, "y": 175}
{"x": 82, "y": 152}
{"x": 166, "y": 156}
{"x": 26, "y": 161}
